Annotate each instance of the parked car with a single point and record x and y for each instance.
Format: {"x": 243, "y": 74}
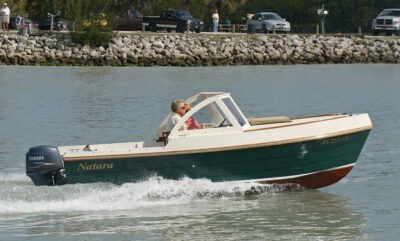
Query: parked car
{"x": 177, "y": 20}
{"x": 387, "y": 21}
{"x": 131, "y": 21}
{"x": 27, "y": 22}
{"x": 267, "y": 22}
{"x": 58, "y": 24}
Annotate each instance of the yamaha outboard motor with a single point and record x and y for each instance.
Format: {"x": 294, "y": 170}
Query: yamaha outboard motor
{"x": 45, "y": 166}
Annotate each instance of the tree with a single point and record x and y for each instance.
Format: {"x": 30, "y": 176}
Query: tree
{"x": 17, "y": 7}
{"x": 225, "y": 5}
{"x": 38, "y": 9}
{"x": 122, "y": 6}
{"x": 186, "y": 4}
{"x": 344, "y": 15}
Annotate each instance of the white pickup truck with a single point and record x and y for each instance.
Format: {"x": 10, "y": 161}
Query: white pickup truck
{"x": 387, "y": 21}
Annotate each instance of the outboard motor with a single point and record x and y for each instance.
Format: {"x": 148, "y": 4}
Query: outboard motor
{"x": 45, "y": 166}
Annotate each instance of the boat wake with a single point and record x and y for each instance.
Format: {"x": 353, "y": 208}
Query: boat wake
{"x": 19, "y": 195}
{"x": 191, "y": 189}
{"x": 14, "y": 178}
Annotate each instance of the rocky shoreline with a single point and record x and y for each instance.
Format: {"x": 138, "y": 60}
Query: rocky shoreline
{"x": 146, "y": 49}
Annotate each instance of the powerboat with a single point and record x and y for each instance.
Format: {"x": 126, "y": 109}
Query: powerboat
{"x": 312, "y": 151}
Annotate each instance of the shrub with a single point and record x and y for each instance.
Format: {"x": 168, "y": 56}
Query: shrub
{"x": 93, "y": 35}
{"x": 92, "y": 21}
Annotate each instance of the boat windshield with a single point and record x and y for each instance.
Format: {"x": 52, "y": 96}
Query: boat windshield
{"x": 239, "y": 117}
{"x": 390, "y": 12}
{"x": 210, "y": 116}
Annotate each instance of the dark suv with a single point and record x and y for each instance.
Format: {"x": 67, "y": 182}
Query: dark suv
{"x": 172, "y": 19}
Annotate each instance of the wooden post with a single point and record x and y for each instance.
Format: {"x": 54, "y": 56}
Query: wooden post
{"x": 317, "y": 29}
{"x": 51, "y": 23}
{"x": 233, "y": 28}
{"x": 30, "y": 29}
{"x": 359, "y": 30}
{"x": 143, "y": 28}
{"x": 188, "y": 29}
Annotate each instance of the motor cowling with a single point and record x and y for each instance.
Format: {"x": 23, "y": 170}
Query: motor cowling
{"x": 45, "y": 166}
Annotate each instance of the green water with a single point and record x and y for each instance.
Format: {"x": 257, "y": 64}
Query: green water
{"x": 82, "y": 105}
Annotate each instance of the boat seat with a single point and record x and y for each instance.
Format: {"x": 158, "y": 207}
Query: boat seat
{"x": 268, "y": 120}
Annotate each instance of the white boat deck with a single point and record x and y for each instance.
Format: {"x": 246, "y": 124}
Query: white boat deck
{"x": 142, "y": 147}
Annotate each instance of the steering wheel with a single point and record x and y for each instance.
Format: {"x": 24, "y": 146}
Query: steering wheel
{"x": 222, "y": 123}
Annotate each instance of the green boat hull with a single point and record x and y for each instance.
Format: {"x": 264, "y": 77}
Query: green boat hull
{"x": 312, "y": 164}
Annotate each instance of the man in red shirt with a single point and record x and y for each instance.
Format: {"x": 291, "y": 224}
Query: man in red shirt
{"x": 191, "y": 123}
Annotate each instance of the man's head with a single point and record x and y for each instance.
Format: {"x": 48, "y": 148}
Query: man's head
{"x": 178, "y": 106}
{"x": 4, "y": 4}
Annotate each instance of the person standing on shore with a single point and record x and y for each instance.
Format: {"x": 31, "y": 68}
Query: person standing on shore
{"x": 215, "y": 18}
{"x": 5, "y": 17}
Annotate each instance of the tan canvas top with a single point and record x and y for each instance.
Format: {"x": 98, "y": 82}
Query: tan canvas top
{"x": 268, "y": 120}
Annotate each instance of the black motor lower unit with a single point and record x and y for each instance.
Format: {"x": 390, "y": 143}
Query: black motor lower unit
{"x": 45, "y": 166}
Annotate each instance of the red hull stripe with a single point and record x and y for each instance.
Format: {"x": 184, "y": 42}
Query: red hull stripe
{"x": 316, "y": 180}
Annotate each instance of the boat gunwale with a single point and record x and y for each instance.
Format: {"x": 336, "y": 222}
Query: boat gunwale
{"x": 313, "y": 116}
{"x": 218, "y": 149}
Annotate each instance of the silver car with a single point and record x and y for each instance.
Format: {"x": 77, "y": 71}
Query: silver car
{"x": 267, "y": 22}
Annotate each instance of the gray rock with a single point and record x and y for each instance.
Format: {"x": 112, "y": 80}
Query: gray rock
{"x": 52, "y": 54}
{"x": 68, "y": 54}
{"x": 158, "y": 44}
{"x": 297, "y": 43}
{"x": 178, "y": 50}
{"x": 263, "y": 38}
{"x": 93, "y": 53}
{"x": 146, "y": 46}
{"x": 199, "y": 51}
{"x": 51, "y": 42}
{"x": 28, "y": 51}
{"x": 117, "y": 41}
{"x": 259, "y": 58}
{"x": 59, "y": 54}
